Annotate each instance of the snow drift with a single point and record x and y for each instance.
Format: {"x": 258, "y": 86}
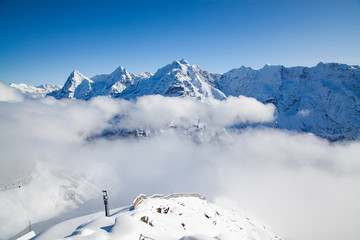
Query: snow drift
{"x": 178, "y": 216}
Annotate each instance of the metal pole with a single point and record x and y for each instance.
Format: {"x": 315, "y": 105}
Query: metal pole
{"x": 105, "y": 197}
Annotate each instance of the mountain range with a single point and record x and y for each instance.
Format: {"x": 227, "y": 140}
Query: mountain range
{"x": 323, "y": 100}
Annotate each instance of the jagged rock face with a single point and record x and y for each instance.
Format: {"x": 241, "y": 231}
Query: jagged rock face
{"x": 323, "y": 99}
{"x": 177, "y": 79}
{"x": 80, "y": 87}
{"x": 76, "y": 86}
{"x": 115, "y": 83}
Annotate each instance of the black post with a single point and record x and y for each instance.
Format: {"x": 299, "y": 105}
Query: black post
{"x": 105, "y": 197}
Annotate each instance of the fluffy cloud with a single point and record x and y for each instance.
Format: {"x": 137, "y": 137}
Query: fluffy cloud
{"x": 9, "y": 94}
{"x": 292, "y": 181}
{"x": 157, "y": 112}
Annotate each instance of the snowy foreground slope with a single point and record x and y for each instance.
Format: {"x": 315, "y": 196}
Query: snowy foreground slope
{"x": 177, "y": 216}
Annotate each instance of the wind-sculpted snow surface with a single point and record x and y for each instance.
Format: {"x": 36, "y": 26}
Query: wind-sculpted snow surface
{"x": 176, "y": 217}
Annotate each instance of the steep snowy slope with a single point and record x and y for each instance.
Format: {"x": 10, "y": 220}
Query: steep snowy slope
{"x": 35, "y": 92}
{"x": 178, "y": 216}
{"x": 324, "y": 99}
{"x": 177, "y": 79}
{"x": 80, "y": 87}
{"x": 116, "y": 82}
{"x": 76, "y": 86}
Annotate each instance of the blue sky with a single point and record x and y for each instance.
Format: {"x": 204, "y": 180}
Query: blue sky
{"x": 43, "y": 41}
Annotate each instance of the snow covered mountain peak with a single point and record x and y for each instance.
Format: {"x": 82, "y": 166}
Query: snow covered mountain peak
{"x": 75, "y": 72}
{"x": 177, "y": 216}
{"x": 120, "y": 74}
{"x": 182, "y": 64}
{"x": 335, "y": 66}
{"x": 177, "y": 79}
{"x": 120, "y": 71}
{"x": 76, "y": 76}
{"x": 76, "y": 86}
{"x": 175, "y": 66}
{"x": 183, "y": 61}
{"x": 267, "y": 65}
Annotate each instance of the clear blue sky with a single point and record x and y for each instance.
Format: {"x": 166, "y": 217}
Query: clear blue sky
{"x": 43, "y": 41}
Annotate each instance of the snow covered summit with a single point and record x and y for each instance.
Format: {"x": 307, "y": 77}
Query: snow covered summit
{"x": 76, "y": 86}
{"x": 115, "y": 83}
{"x": 177, "y": 216}
{"x": 177, "y": 79}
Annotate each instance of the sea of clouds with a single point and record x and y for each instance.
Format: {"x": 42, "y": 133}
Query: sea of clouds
{"x": 302, "y": 186}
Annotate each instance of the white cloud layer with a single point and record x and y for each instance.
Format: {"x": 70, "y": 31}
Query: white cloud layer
{"x": 9, "y": 94}
{"x": 302, "y": 186}
{"x": 157, "y": 112}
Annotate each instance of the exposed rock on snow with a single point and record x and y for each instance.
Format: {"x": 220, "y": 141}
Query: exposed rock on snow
{"x": 178, "y": 216}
